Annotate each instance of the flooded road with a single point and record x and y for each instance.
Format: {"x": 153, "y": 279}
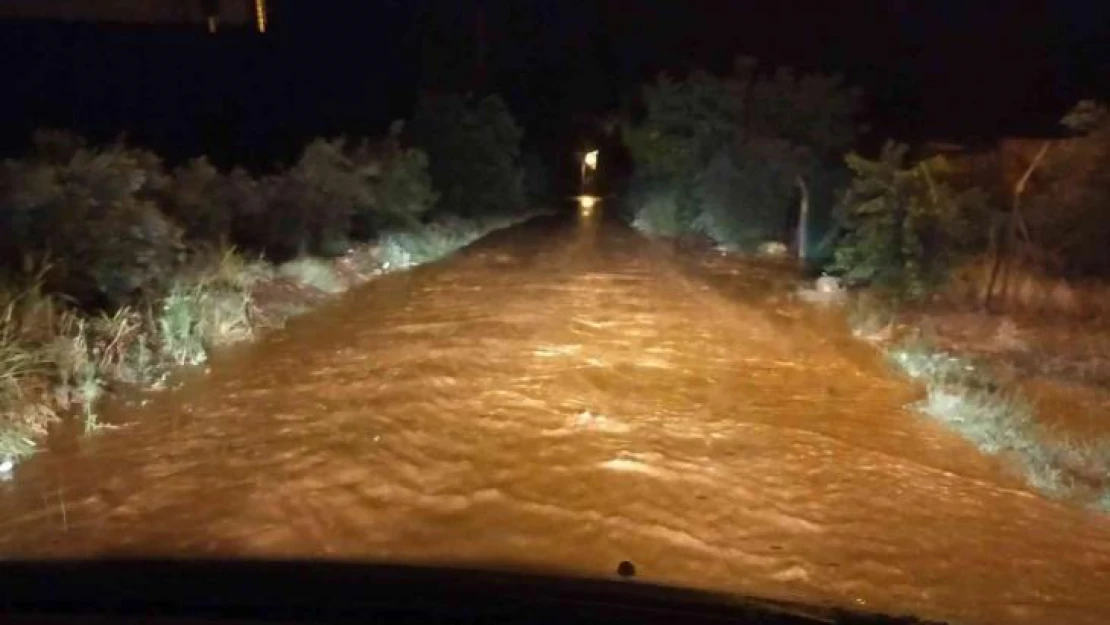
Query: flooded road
{"x": 563, "y": 396}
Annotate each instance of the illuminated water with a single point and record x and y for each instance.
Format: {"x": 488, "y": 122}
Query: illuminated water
{"x": 566, "y": 396}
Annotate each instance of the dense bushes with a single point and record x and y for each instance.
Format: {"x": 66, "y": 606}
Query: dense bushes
{"x": 312, "y": 203}
{"x": 474, "y": 157}
{"x": 198, "y": 199}
{"x": 114, "y": 225}
{"x": 333, "y": 194}
{"x": 94, "y": 213}
{"x": 904, "y": 227}
{"x": 113, "y": 269}
{"x": 727, "y": 157}
{"x": 404, "y": 190}
{"x": 748, "y": 190}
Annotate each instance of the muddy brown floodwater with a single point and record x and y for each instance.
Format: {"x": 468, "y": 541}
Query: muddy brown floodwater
{"x": 563, "y": 396}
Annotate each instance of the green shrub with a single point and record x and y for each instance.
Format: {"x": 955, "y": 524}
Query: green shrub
{"x": 224, "y": 266}
{"x": 686, "y": 123}
{"x": 179, "y": 326}
{"x": 904, "y": 227}
{"x": 117, "y": 224}
{"x": 334, "y": 194}
{"x": 473, "y": 149}
{"x": 201, "y": 200}
{"x": 660, "y": 214}
{"x": 311, "y": 204}
{"x": 747, "y": 191}
{"x": 402, "y": 186}
{"x": 95, "y": 214}
{"x": 79, "y": 367}
{"x": 247, "y": 200}
{"x": 313, "y": 272}
{"x": 208, "y": 306}
{"x": 50, "y": 361}
{"x": 405, "y": 191}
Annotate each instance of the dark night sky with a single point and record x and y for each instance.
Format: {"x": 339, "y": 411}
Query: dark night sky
{"x": 936, "y": 67}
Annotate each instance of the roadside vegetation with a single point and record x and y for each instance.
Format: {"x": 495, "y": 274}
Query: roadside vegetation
{"x": 115, "y": 269}
{"x": 983, "y": 292}
{"x": 729, "y": 158}
{"x": 976, "y": 281}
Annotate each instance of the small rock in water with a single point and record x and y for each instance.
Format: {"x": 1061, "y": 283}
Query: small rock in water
{"x": 626, "y": 569}
{"x": 829, "y": 284}
{"x": 772, "y": 248}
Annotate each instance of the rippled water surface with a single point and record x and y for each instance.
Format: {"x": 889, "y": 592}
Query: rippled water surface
{"x": 564, "y": 396}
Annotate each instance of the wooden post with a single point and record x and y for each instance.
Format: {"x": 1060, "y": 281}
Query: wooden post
{"x": 1016, "y": 222}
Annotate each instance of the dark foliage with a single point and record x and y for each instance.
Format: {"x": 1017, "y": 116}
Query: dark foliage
{"x": 1066, "y": 217}
{"x": 730, "y": 153}
{"x": 904, "y": 226}
{"x": 114, "y": 226}
{"x": 473, "y": 149}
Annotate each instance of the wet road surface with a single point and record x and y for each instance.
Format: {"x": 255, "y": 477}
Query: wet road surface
{"x": 563, "y": 396}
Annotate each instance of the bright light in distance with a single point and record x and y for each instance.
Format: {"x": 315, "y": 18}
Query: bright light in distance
{"x": 590, "y": 160}
{"x": 586, "y": 204}
{"x": 260, "y": 15}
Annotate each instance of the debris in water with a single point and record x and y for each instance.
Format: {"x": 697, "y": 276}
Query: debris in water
{"x": 826, "y": 290}
{"x": 598, "y": 422}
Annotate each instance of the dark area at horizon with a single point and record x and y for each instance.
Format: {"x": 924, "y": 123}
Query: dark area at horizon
{"x": 941, "y": 70}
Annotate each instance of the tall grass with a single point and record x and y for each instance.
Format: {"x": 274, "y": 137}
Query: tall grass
{"x": 404, "y": 249}
{"x": 26, "y": 326}
{"x": 55, "y": 359}
{"x": 313, "y": 272}
{"x": 179, "y": 325}
{"x": 999, "y": 420}
{"x": 210, "y": 305}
